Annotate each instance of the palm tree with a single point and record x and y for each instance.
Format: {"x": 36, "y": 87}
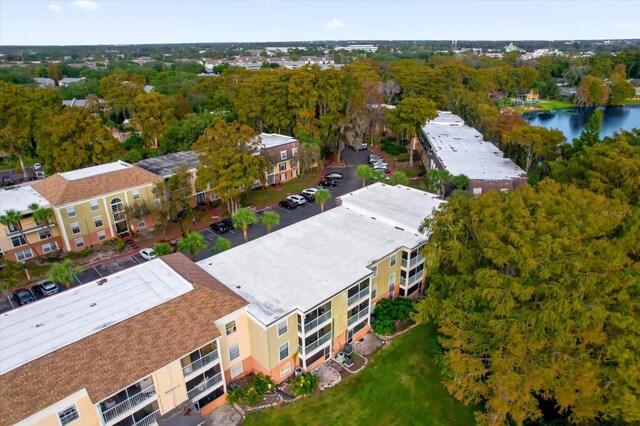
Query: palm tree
{"x": 9, "y": 275}
{"x": 322, "y": 196}
{"x": 222, "y": 244}
{"x": 270, "y": 218}
{"x": 192, "y": 243}
{"x": 43, "y": 216}
{"x": 64, "y": 272}
{"x": 399, "y": 178}
{"x": 12, "y": 218}
{"x": 242, "y": 219}
{"x": 162, "y": 249}
{"x": 363, "y": 172}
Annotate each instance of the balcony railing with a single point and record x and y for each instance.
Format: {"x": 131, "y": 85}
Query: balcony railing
{"x": 316, "y": 322}
{"x": 198, "y": 364}
{"x": 129, "y": 403}
{"x": 149, "y": 420}
{"x": 316, "y": 344}
{"x": 360, "y": 295}
{"x": 205, "y": 386}
{"x": 414, "y": 279}
{"x": 358, "y": 316}
{"x": 413, "y": 262}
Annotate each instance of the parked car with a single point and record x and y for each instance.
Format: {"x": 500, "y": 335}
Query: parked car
{"x": 23, "y": 296}
{"x": 333, "y": 176}
{"x": 219, "y": 227}
{"x": 309, "y": 197}
{"x": 174, "y": 245}
{"x": 37, "y": 166}
{"x": 362, "y": 147}
{"x": 229, "y": 223}
{"x": 327, "y": 183}
{"x": 378, "y": 164}
{"x": 7, "y": 180}
{"x": 46, "y": 288}
{"x": 298, "y": 199}
{"x": 374, "y": 158}
{"x": 148, "y": 253}
{"x": 288, "y": 204}
{"x": 310, "y": 191}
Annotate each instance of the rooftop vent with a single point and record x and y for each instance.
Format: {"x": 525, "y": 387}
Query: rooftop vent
{"x": 102, "y": 281}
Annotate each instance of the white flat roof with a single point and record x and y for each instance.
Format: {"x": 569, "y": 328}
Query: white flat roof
{"x": 34, "y": 330}
{"x": 95, "y": 170}
{"x": 463, "y": 151}
{"x": 19, "y": 198}
{"x": 269, "y": 140}
{"x": 302, "y": 265}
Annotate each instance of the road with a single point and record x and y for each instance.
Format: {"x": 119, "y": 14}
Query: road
{"x": 287, "y": 217}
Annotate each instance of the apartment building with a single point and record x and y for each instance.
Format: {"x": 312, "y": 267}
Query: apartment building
{"x": 281, "y": 152}
{"x": 124, "y": 350}
{"x": 26, "y": 238}
{"x": 89, "y": 204}
{"x": 448, "y": 144}
{"x": 311, "y": 286}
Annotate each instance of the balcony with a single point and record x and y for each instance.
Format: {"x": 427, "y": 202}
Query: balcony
{"x": 317, "y": 322}
{"x": 358, "y": 316}
{"x": 202, "y": 387}
{"x": 129, "y": 404}
{"x": 316, "y": 344}
{"x": 413, "y": 262}
{"x": 31, "y": 229}
{"x": 149, "y": 420}
{"x": 198, "y": 364}
{"x": 358, "y": 296}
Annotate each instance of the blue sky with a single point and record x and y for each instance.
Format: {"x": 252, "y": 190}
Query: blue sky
{"x": 56, "y": 22}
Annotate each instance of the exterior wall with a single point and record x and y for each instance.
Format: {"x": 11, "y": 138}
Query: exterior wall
{"x": 240, "y": 336}
{"x": 381, "y": 281}
{"x": 291, "y": 165}
{"x": 265, "y": 346}
{"x": 170, "y": 386}
{"x": 31, "y": 232}
{"x": 497, "y": 185}
{"x": 49, "y": 416}
{"x": 85, "y": 217}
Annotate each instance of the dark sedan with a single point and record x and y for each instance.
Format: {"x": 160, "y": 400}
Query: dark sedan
{"x": 328, "y": 183}
{"x": 219, "y": 227}
{"x": 309, "y": 197}
{"x": 288, "y": 204}
{"x": 23, "y": 296}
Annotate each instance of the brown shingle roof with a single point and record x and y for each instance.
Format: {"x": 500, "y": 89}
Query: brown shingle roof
{"x": 57, "y": 190}
{"x": 117, "y": 356}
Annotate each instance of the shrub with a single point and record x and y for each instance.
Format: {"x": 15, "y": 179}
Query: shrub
{"x": 253, "y": 392}
{"x": 304, "y": 384}
{"x": 392, "y": 148}
{"x": 82, "y": 253}
{"x": 387, "y": 312}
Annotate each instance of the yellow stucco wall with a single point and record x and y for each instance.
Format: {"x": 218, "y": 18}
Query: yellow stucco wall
{"x": 170, "y": 386}
{"x": 31, "y": 236}
{"x": 241, "y": 336}
{"x": 381, "y": 280}
{"x": 49, "y": 416}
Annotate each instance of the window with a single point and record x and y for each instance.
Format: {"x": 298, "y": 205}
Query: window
{"x": 135, "y": 194}
{"x": 294, "y": 152}
{"x": 236, "y": 370}
{"x": 234, "y": 351}
{"x": 393, "y": 260}
{"x": 97, "y": 221}
{"x": 101, "y": 235}
{"x": 282, "y": 167}
{"x": 285, "y": 370}
{"x": 75, "y": 228}
{"x": 230, "y": 327}
{"x": 392, "y": 280}
{"x": 44, "y": 234}
{"x": 283, "y": 155}
{"x": 46, "y": 248}
{"x": 284, "y": 351}
{"x": 13, "y": 227}
{"x": 374, "y": 269}
{"x": 68, "y": 415}
{"x": 18, "y": 241}
{"x": 24, "y": 255}
{"x": 141, "y": 223}
{"x": 79, "y": 242}
{"x": 282, "y": 328}
{"x": 94, "y": 205}
{"x": 477, "y": 191}
{"x": 71, "y": 212}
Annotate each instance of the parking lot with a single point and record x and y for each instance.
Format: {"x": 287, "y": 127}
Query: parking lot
{"x": 287, "y": 217}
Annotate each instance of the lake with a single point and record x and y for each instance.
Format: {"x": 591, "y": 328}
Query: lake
{"x": 571, "y": 121}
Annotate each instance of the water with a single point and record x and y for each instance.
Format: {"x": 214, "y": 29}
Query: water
{"x": 571, "y": 121}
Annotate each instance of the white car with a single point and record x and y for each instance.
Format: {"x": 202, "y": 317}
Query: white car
{"x": 380, "y": 164}
{"x": 298, "y": 199}
{"x": 148, "y": 253}
{"x": 310, "y": 191}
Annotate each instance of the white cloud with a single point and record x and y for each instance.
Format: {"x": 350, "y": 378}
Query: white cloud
{"x": 335, "y": 24}
{"x": 55, "y": 8}
{"x": 85, "y": 4}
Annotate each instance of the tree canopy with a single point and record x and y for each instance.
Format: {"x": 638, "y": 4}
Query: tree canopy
{"x": 535, "y": 293}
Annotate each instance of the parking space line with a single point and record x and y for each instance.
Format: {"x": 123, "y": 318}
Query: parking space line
{"x": 283, "y": 209}
{"x": 94, "y": 268}
{"x": 10, "y": 302}
{"x": 135, "y": 258}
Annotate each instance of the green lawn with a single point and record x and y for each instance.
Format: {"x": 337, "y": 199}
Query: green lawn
{"x": 549, "y": 105}
{"x": 261, "y": 197}
{"x": 400, "y": 386}
{"x": 632, "y": 102}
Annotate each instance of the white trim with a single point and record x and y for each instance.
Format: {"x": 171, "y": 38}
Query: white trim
{"x": 286, "y": 324}
{"x": 108, "y": 213}
{"x": 75, "y": 408}
{"x": 110, "y": 194}
{"x": 55, "y": 407}
{"x": 284, "y": 374}
{"x": 235, "y": 328}
{"x": 63, "y": 231}
{"x": 229, "y": 351}
{"x": 280, "y": 359}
